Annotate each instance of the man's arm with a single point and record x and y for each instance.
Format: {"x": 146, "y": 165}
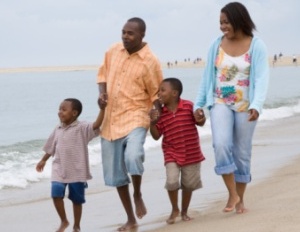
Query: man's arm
{"x": 102, "y": 100}
{"x": 154, "y": 116}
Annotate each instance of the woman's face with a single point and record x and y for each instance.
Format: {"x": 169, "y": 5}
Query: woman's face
{"x": 226, "y": 27}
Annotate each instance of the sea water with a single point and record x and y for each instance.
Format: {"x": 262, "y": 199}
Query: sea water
{"x": 30, "y": 101}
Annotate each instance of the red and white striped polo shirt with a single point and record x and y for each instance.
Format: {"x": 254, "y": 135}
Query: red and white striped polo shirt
{"x": 181, "y": 142}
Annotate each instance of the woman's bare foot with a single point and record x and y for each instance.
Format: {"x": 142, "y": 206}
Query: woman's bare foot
{"x": 240, "y": 208}
{"x": 140, "y": 208}
{"x": 172, "y": 218}
{"x": 185, "y": 217}
{"x": 232, "y": 202}
{"x": 127, "y": 226}
{"x": 63, "y": 226}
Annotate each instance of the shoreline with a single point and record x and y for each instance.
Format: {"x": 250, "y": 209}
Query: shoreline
{"x": 283, "y": 61}
{"x": 272, "y": 198}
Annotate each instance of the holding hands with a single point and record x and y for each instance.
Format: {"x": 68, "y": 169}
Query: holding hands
{"x": 199, "y": 117}
{"x": 102, "y": 100}
{"x": 154, "y": 116}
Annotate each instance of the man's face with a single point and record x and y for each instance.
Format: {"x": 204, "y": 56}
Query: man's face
{"x": 132, "y": 37}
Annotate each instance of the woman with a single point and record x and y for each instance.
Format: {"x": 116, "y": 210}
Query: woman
{"x": 234, "y": 87}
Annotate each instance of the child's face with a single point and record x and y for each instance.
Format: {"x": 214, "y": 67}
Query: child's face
{"x": 166, "y": 94}
{"x": 66, "y": 113}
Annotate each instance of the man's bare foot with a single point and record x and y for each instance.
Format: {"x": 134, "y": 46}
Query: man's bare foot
{"x": 63, "y": 226}
{"x": 172, "y": 218}
{"x": 232, "y": 202}
{"x": 140, "y": 208}
{"x": 185, "y": 217}
{"x": 128, "y": 226}
{"x": 76, "y": 229}
{"x": 240, "y": 208}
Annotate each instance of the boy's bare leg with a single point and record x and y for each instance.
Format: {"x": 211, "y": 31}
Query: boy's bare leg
{"x": 77, "y": 211}
{"x": 233, "y": 196}
{"x": 60, "y": 208}
{"x": 124, "y": 195}
{"x": 186, "y": 199}
{"x": 140, "y": 208}
{"x": 173, "y": 196}
{"x": 240, "y": 207}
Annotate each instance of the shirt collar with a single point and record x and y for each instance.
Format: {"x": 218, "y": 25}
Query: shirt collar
{"x": 180, "y": 106}
{"x": 141, "y": 53}
{"x": 63, "y": 126}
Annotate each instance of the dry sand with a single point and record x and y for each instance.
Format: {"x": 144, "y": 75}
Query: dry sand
{"x": 273, "y": 197}
{"x": 283, "y": 61}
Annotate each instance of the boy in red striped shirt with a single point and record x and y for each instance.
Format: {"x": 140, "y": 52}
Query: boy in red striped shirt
{"x": 180, "y": 144}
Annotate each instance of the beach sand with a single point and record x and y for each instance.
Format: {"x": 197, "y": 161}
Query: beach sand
{"x": 283, "y": 61}
{"x": 273, "y": 197}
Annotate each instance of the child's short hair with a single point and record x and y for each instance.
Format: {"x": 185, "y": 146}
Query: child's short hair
{"x": 76, "y": 105}
{"x": 175, "y": 84}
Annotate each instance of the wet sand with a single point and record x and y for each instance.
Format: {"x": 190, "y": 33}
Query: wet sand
{"x": 272, "y": 197}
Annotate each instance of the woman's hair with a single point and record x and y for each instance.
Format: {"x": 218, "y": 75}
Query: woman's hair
{"x": 239, "y": 17}
{"x": 76, "y": 105}
{"x": 175, "y": 84}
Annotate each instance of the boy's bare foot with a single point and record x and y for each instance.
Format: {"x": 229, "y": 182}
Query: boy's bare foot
{"x": 128, "y": 226}
{"x": 185, "y": 217}
{"x": 240, "y": 208}
{"x": 232, "y": 202}
{"x": 140, "y": 208}
{"x": 172, "y": 218}
{"x": 63, "y": 226}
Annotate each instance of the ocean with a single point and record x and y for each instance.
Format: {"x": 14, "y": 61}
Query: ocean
{"x": 30, "y": 101}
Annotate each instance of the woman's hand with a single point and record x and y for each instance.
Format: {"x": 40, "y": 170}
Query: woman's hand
{"x": 253, "y": 115}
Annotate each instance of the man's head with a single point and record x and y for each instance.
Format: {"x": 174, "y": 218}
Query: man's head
{"x": 133, "y": 33}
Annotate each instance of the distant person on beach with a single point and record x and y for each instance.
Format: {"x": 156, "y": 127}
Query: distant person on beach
{"x": 234, "y": 87}
{"x": 128, "y": 82}
{"x": 294, "y": 59}
{"x": 274, "y": 59}
{"x": 181, "y": 145}
{"x": 68, "y": 145}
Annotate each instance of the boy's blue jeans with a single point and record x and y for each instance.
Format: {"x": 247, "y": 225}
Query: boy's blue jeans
{"x": 232, "y": 142}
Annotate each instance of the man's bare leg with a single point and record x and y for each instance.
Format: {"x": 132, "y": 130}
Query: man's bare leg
{"x": 124, "y": 195}
{"x": 60, "y": 208}
{"x": 240, "y": 207}
{"x": 173, "y": 196}
{"x": 140, "y": 208}
{"x": 233, "y": 196}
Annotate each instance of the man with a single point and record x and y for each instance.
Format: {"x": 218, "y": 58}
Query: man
{"x": 128, "y": 81}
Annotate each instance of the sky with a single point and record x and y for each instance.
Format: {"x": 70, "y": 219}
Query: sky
{"x": 37, "y": 33}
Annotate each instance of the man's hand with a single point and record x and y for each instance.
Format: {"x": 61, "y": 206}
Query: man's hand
{"x": 154, "y": 116}
{"x": 102, "y": 100}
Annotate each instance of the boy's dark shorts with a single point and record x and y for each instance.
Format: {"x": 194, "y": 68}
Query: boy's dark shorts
{"x": 76, "y": 191}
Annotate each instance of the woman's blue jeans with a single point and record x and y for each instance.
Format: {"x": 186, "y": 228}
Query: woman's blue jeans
{"x": 232, "y": 142}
